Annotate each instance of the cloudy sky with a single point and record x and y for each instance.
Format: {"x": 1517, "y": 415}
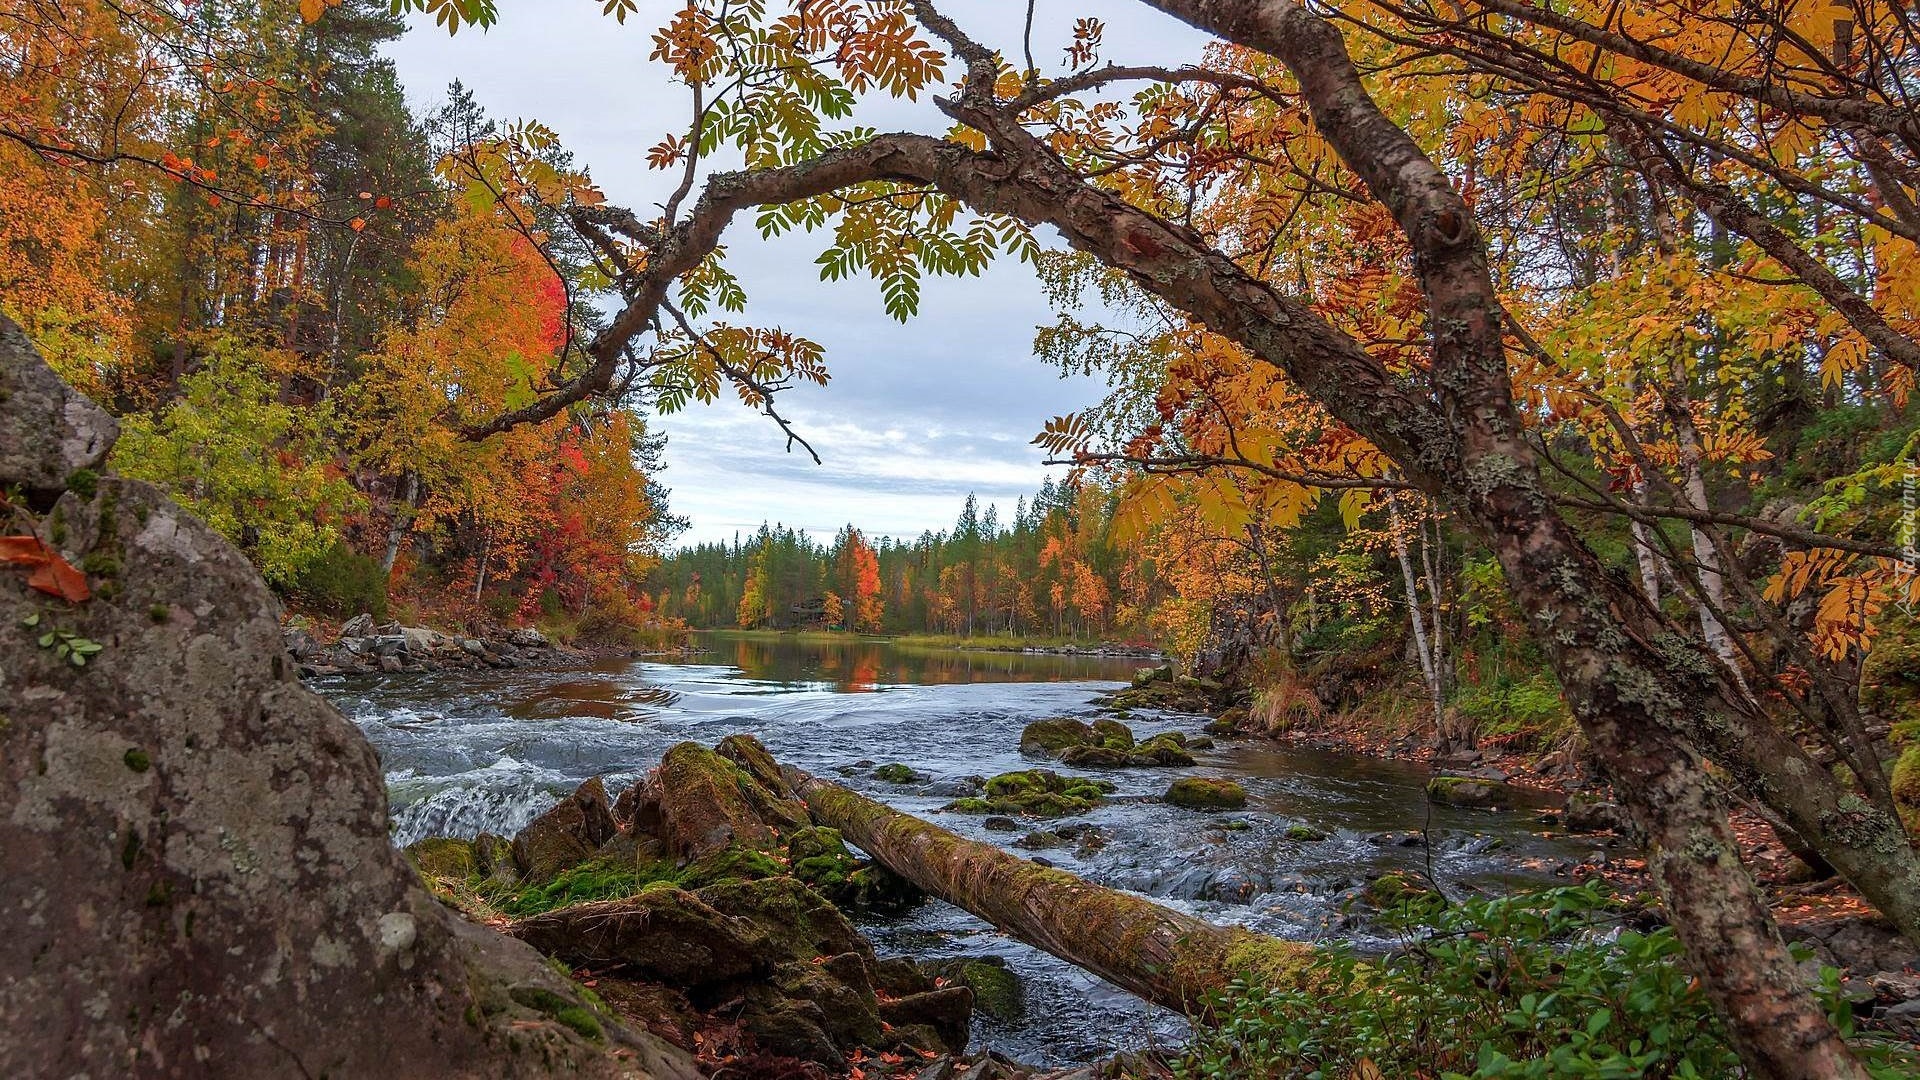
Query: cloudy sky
{"x": 917, "y": 415}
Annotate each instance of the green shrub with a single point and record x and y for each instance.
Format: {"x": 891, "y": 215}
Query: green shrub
{"x": 250, "y": 466}
{"x": 1541, "y": 985}
{"x": 1533, "y": 707}
{"x": 342, "y": 582}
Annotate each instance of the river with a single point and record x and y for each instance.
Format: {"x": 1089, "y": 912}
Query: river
{"x": 466, "y": 752}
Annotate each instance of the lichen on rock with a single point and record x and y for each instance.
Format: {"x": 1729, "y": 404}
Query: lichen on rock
{"x": 230, "y": 893}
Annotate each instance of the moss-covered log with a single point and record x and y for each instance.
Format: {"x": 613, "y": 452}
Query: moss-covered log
{"x": 1164, "y": 956}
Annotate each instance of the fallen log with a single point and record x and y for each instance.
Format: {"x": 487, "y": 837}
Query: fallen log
{"x": 1166, "y": 957}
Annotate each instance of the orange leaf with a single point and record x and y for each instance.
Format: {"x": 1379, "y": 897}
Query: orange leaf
{"x": 57, "y": 577}
{"x": 51, "y": 574}
{"x": 357, "y": 224}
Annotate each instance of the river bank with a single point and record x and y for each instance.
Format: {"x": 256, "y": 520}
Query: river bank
{"x": 1818, "y": 912}
{"x": 959, "y": 642}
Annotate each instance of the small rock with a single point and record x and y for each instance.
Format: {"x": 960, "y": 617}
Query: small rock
{"x": 897, "y": 773}
{"x": 1587, "y": 814}
{"x": 299, "y": 643}
{"x": 1000, "y": 823}
{"x": 526, "y": 637}
{"x": 359, "y": 626}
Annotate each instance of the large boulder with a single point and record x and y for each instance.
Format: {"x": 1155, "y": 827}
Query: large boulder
{"x": 198, "y": 871}
{"x": 663, "y": 933}
{"x": 566, "y": 835}
{"x": 49, "y": 431}
{"x": 704, "y": 803}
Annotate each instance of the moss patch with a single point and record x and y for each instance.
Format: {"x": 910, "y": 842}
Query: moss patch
{"x": 1205, "y": 793}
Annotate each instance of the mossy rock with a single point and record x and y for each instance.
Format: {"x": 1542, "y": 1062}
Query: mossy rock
{"x": 873, "y": 887}
{"x": 1305, "y": 834}
{"x": 897, "y": 773}
{"x": 661, "y": 933}
{"x": 1112, "y": 734}
{"x": 589, "y": 882}
{"x": 1096, "y": 757}
{"x": 1206, "y": 793}
{"x": 1050, "y": 738}
{"x": 570, "y": 1013}
{"x": 1401, "y": 891}
{"x": 444, "y": 858}
{"x": 1469, "y": 792}
{"x": 708, "y": 803}
{"x": 1166, "y": 748}
{"x": 819, "y": 857}
{"x": 566, "y": 835}
{"x": 737, "y": 863}
{"x": 493, "y": 856}
{"x": 1036, "y": 793}
{"x": 798, "y": 923}
{"x": 997, "y": 991}
{"x": 1147, "y": 676}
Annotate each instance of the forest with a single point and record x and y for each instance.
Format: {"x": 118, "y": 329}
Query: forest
{"x": 224, "y": 222}
{"x": 1053, "y": 570}
{"x": 1530, "y": 374}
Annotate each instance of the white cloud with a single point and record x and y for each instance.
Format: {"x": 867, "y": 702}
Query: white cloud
{"x": 916, "y": 416}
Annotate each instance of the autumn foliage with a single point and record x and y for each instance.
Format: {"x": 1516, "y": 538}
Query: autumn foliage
{"x": 299, "y": 295}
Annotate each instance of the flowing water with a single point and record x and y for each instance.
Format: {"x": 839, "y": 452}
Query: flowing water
{"x": 467, "y": 752}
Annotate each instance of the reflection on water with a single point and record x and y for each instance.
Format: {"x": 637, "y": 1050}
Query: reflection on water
{"x": 471, "y": 751}
{"x": 858, "y": 665}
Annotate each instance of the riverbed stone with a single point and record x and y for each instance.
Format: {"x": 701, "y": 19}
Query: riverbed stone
{"x": 1591, "y": 814}
{"x": 1206, "y": 793}
{"x": 997, "y": 991}
{"x": 896, "y": 773}
{"x": 566, "y": 835}
{"x": 199, "y": 870}
{"x": 1048, "y": 738}
{"x": 1471, "y": 792}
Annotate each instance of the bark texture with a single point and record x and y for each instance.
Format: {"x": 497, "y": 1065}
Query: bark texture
{"x": 1168, "y": 958}
{"x": 198, "y": 875}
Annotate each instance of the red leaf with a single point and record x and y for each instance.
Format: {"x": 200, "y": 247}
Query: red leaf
{"x": 51, "y": 574}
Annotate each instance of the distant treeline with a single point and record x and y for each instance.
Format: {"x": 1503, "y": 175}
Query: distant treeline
{"x": 1052, "y": 569}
